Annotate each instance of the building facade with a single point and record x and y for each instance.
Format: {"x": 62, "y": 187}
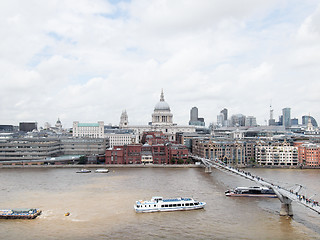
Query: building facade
{"x": 251, "y": 121}
{"x": 28, "y": 126}
{"x": 230, "y": 152}
{"x": 29, "y": 149}
{"x": 194, "y": 118}
{"x": 309, "y": 154}
{"x": 145, "y": 153}
{"x": 276, "y": 154}
{"x": 83, "y": 146}
{"x": 117, "y": 139}
{"x": 238, "y": 120}
{"x": 88, "y": 130}
{"x": 286, "y": 120}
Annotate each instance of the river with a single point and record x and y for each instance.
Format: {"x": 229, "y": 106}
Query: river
{"x": 101, "y": 205}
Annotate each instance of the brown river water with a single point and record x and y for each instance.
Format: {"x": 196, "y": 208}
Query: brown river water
{"x": 101, "y": 205}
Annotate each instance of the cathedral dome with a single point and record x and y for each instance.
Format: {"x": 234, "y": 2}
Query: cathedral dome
{"x": 162, "y": 105}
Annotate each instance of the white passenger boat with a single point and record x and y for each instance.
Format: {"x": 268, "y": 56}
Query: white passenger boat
{"x": 159, "y": 204}
{"x": 251, "y": 192}
{"x": 101, "y": 170}
{"x": 84, "y": 171}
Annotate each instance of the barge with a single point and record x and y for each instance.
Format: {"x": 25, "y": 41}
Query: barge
{"x": 21, "y": 213}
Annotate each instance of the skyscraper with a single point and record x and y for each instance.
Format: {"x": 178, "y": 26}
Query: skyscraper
{"x": 272, "y": 122}
{"x": 286, "y": 113}
{"x": 194, "y": 114}
{"x": 305, "y": 120}
{"x": 194, "y": 119}
{"x": 238, "y": 120}
{"x": 251, "y": 121}
{"x": 225, "y": 114}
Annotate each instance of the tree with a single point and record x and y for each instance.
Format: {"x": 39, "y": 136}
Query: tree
{"x": 83, "y": 160}
{"x": 180, "y": 161}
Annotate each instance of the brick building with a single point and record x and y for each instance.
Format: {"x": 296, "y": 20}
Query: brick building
{"x": 231, "y": 152}
{"x": 156, "y": 154}
{"x": 309, "y": 154}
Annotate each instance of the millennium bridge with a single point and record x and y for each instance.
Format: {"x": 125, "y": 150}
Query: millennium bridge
{"x": 285, "y": 196}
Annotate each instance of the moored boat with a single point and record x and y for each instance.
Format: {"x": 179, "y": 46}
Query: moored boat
{"x": 101, "y": 170}
{"x": 251, "y": 192}
{"x": 84, "y": 171}
{"x": 159, "y": 204}
{"x": 21, "y": 213}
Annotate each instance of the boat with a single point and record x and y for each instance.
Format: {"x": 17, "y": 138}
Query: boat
{"x": 159, "y": 204}
{"x": 84, "y": 171}
{"x": 101, "y": 170}
{"x": 19, "y": 213}
{"x": 251, "y": 192}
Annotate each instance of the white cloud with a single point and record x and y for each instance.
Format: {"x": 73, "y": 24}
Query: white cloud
{"x": 88, "y": 60}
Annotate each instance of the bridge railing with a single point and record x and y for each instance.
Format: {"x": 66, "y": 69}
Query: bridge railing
{"x": 280, "y": 191}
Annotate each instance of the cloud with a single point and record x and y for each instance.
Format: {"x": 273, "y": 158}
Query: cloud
{"x": 88, "y": 60}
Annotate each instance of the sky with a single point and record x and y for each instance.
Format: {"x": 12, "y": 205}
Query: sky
{"x": 88, "y": 60}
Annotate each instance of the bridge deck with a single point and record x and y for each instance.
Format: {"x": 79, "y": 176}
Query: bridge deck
{"x": 290, "y": 194}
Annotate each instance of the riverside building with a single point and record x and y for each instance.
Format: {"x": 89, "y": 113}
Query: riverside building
{"x": 145, "y": 153}
{"x": 230, "y": 152}
{"x": 29, "y": 149}
{"x": 276, "y": 154}
{"x": 88, "y": 130}
{"x": 309, "y": 154}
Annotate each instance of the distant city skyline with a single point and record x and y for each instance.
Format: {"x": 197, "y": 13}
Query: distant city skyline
{"x": 88, "y": 62}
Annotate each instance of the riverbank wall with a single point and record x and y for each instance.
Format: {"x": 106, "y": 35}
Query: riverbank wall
{"x": 102, "y": 166}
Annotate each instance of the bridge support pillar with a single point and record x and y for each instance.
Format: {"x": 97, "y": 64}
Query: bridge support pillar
{"x": 286, "y": 209}
{"x": 208, "y": 170}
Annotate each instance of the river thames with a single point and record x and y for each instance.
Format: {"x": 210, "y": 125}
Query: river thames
{"x": 101, "y": 205}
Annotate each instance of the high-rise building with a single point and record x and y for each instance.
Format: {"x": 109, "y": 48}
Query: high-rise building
{"x": 238, "y": 120}
{"x": 194, "y": 114}
{"x": 250, "y": 121}
{"x": 194, "y": 119}
{"x": 305, "y": 120}
{"x": 225, "y": 114}
{"x": 272, "y": 121}
{"x": 286, "y": 113}
{"x": 294, "y": 121}
{"x": 220, "y": 120}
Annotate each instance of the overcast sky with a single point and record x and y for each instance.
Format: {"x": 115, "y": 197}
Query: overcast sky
{"x": 88, "y": 60}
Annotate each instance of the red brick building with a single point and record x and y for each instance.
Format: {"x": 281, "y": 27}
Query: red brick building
{"x": 156, "y": 154}
{"x": 309, "y": 154}
{"x": 154, "y": 137}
